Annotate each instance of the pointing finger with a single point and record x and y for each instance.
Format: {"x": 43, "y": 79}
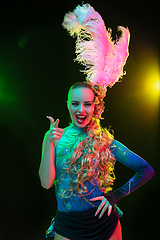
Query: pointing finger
{"x": 56, "y": 123}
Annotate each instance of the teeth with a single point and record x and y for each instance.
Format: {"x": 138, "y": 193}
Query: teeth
{"x": 81, "y": 116}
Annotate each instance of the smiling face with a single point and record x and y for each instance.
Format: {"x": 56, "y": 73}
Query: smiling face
{"x": 81, "y": 105}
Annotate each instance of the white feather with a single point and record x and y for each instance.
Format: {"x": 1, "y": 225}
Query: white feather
{"x": 102, "y": 58}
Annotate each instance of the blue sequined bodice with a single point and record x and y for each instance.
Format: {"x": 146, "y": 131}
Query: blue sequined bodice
{"x": 64, "y": 150}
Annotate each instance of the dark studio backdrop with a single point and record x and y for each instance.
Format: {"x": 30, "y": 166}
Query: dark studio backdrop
{"x": 36, "y": 71}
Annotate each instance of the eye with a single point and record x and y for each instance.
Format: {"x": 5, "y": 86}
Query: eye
{"x": 75, "y": 104}
{"x": 88, "y": 104}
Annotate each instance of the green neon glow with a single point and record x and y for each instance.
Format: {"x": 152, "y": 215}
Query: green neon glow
{"x": 7, "y": 96}
{"x": 23, "y": 40}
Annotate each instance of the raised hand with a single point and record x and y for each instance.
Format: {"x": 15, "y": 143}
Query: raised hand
{"x": 104, "y": 206}
{"x": 54, "y": 132}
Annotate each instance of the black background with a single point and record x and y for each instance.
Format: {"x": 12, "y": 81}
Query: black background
{"x": 36, "y": 71}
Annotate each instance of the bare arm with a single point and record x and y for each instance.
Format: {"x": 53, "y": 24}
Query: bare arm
{"x": 47, "y": 167}
{"x": 47, "y": 171}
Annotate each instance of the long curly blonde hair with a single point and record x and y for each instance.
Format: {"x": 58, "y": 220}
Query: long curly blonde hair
{"x": 92, "y": 159}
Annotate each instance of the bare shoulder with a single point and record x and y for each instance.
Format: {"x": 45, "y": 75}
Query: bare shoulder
{"x": 64, "y": 130}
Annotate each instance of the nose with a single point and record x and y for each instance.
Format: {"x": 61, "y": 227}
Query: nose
{"x": 81, "y": 108}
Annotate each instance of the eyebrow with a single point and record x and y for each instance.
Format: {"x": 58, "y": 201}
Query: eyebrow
{"x": 84, "y": 101}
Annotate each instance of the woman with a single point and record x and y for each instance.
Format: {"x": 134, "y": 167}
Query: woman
{"x": 79, "y": 182}
{"x": 80, "y": 159}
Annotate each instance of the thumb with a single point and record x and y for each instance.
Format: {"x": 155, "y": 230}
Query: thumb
{"x": 51, "y": 120}
{"x": 56, "y": 123}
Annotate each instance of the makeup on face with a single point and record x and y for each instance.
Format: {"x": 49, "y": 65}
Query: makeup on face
{"x": 81, "y": 106}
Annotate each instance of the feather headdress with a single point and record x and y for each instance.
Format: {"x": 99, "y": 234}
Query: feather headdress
{"x": 102, "y": 58}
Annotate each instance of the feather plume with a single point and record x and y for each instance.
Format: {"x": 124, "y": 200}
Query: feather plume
{"x": 102, "y": 58}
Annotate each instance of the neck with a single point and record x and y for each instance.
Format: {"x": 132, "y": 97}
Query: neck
{"x": 82, "y": 129}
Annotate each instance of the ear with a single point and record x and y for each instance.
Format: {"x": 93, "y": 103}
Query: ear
{"x": 67, "y": 104}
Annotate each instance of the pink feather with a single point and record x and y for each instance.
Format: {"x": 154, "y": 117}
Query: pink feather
{"x": 102, "y": 58}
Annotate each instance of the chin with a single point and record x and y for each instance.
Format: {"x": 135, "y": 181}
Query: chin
{"x": 80, "y": 125}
